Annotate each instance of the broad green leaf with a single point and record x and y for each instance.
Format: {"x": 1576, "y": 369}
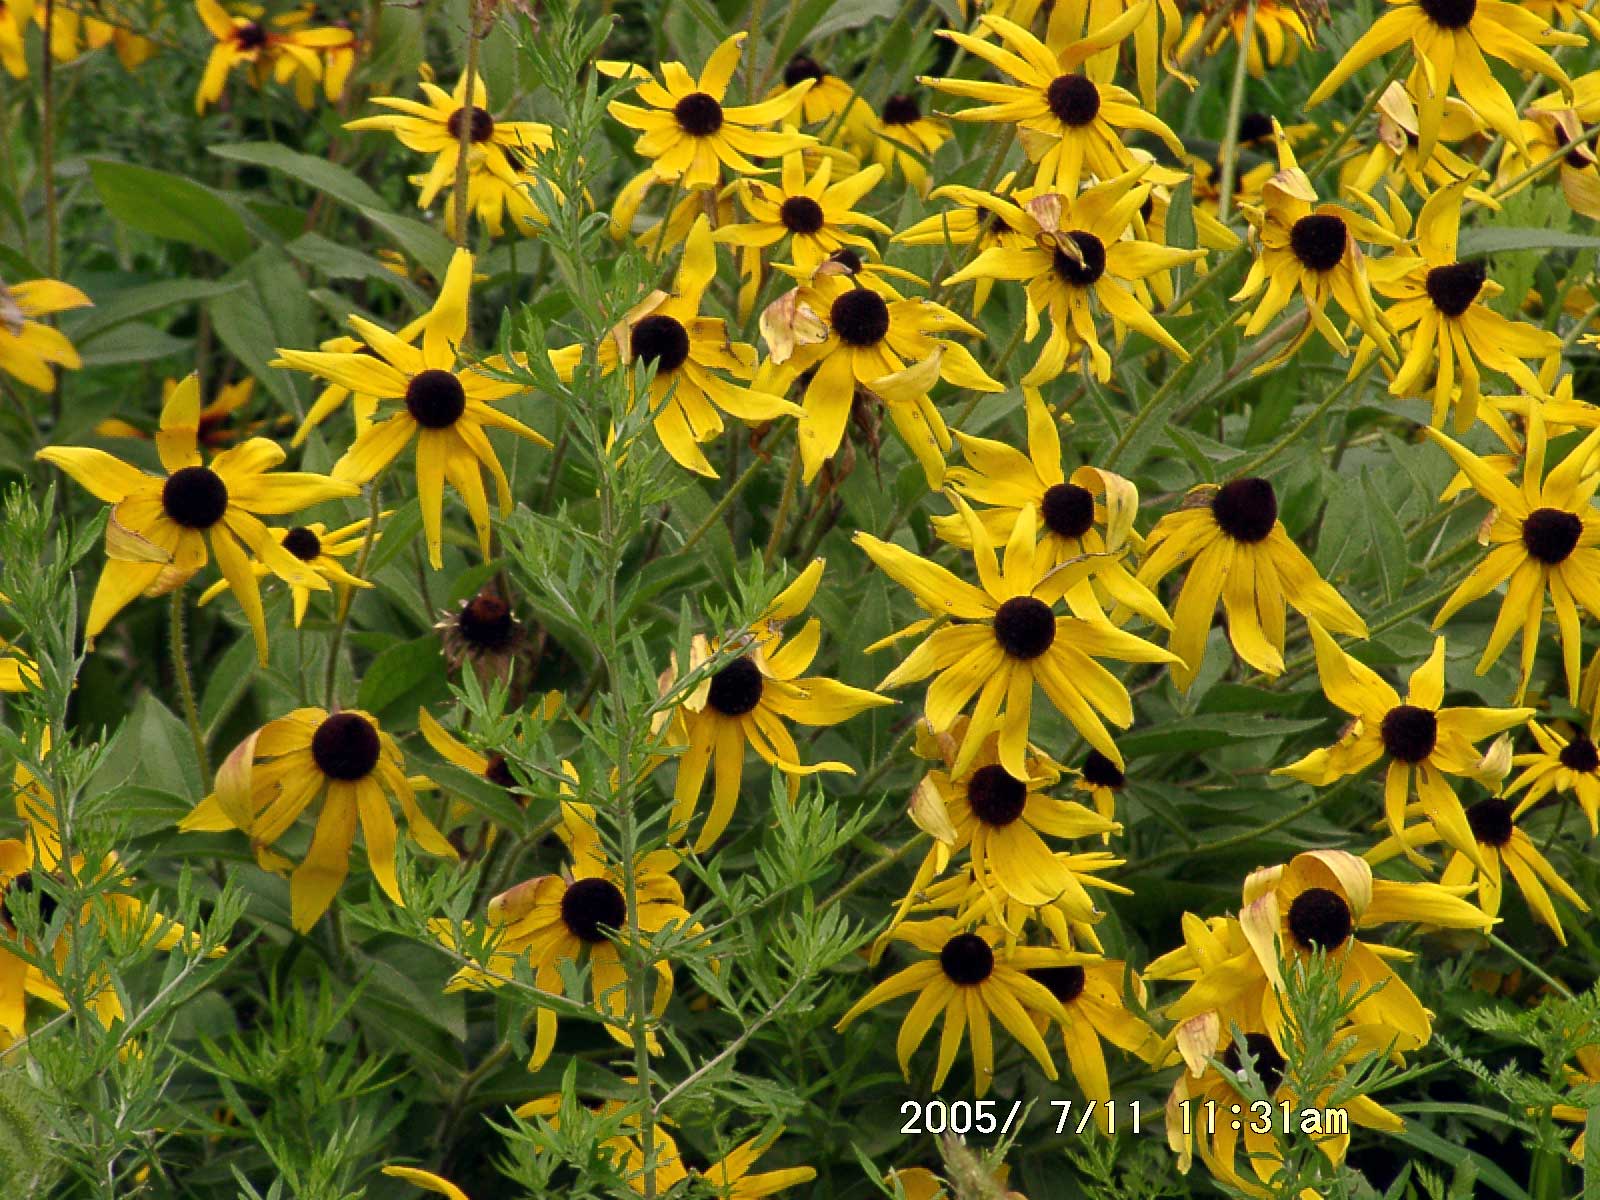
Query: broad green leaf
{"x": 421, "y": 242}
{"x": 170, "y": 207}
{"x": 1481, "y": 240}
{"x": 401, "y": 672}
{"x": 319, "y": 173}
{"x": 111, "y": 311}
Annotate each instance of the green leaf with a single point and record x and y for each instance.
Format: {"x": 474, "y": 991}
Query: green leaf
{"x": 400, "y": 671}
{"x": 1449, "y": 1152}
{"x": 315, "y": 172}
{"x": 338, "y": 261}
{"x": 170, "y": 207}
{"x": 421, "y": 242}
{"x": 235, "y": 672}
{"x": 133, "y": 342}
{"x": 1480, "y": 240}
{"x": 111, "y": 311}
{"x": 1387, "y": 541}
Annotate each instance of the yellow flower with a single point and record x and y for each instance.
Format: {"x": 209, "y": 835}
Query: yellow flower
{"x": 1441, "y": 301}
{"x": 900, "y": 139}
{"x": 1090, "y": 512}
{"x": 278, "y": 52}
{"x": 1090, "y": 992}
{"x": 497, "y": 147}
{"x": 846, "y": 329}
{"x": 1308, "y": 247}
{"x": 1069, "y": 124}
{"x": 1081, "y": 256}
{"x": 1415, "y": 735}
{"x": 1280, "y": 32}
{"x": 215, "y": 429}
{"x": 1394, "y": 159}
{"x": 156, "y": 539}
{"x": 342, "y": 758}
{"x": 688, "y": 132}
{"x": 1550, "y": 125}
{"x": 1450, "y": 39}
{"x": 79, "y": 28}
{"x": 1243, "y": 556}
{"x": 828, "y": 95}
{"x": 575, "y": 917}
{"x": 447, "y": 407}
{"x": 320, "y": 549}
{"x": 1543, "y": 537}
{"x": 690, "y": 352}
{"x": 1567, "y": 764}
{"x": 28, "y": 346}
{"x": 337, "y": 61}
{"x": 813, "y": 212}
{"x": 971, "y": 978}
{"x": 14, "y": 15}
{"x": 1320, "y": 901}
{"x": 747, "y": 701}
{"x": 1585, "y": 1076}
{"x": 1005, "y": 637}
{"x": 1500, "y": 844}
{"x": 18, "y": 672}
{"x": 972, "y": 221}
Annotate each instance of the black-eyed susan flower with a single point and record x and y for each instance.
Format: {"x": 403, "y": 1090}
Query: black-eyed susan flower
{"x": 338, "y": 60}
{"x": 1394, "y": 159}
{"x": 492, "y": 199}
{"x": 1091, "y": 995}
{"x": 1320, "y": 900}
{"x": 320, "y": 548}
{"x": 1417, "y": 737}
{"x": 447, "y": 408}
{"x": 28, "y": 347}
{"x": 693, "y": 358}
{"x": 1438, "y": 305}
{"x": 689, "y": 133}
{"x": 1308, "y": 247}
{"x": 1502, "y": 848}
{"x": 847, "y": 328}
{"x": 14, "y": 16}
{"x": 1450, "y": 39}
{"x": 1002, "y": 822}
{"x": 1567, "y": 763}
{"x": 1241, "y": 555}
{"x": 1070, "y": 125}
{"x": 828, "y": 97}
{"x": 902, "y": 138}
{"x": 266, "y": 49}
{"x": 79, "y": 28}
{"x": 1279, "y": 35}
{"x": 345, "y": 760}
{"x": 1543, "y": 537}
{"x": 1081, "y": 258}
{"x": 1103, "y": 781}
{"x": 1197, "y": 1097}
{"x": 971, "y": 978}
{"x": 576, "y": 917}
{"x": 1003, "y": 638}
{"x": 1227, "y": 988}
{"x": 622, "y": 1148}
{"x": 437, "y": 127}
{"x": 971, "y": 222}
{"x": 1089, "y": 511}
{"x": 217, "y": 427}
{"x": 334, "y": 396}
{"x": 490, "y": 767}
{"x": 484, "y": 633}
{"x": 160, "y": 525}
{"x": 1584, "y": 1077}
{"x": 1552, "y": 132}
{"x": 746, "y": 702}
{"x": 815, "y": 214}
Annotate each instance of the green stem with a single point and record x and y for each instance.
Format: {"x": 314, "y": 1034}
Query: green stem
{"x": 791, "y": 482}
{"x": 180, "y": 671}
{"x": 1253, "y": 467}
{"x": 331, "y": 676}
{"x": 1230, "y": 134}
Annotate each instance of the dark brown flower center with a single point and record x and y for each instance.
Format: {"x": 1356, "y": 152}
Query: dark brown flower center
{"x": 1245, "y": 509}
{"x": 1068, "y": 510}
{"x": 997, "y": 797}
{"x": 1267, "y": 1059}
{"x": 590, "y": 905}
{"x": 1064, "y": 983}
{"x": 847, "y": 258}
{"x": 1551, "y": 534}
{"x": 736, "y": 689}
{"x": 1090, "y": 264}
{"x": 498, "y": 772}
{"x": 249, "y": 36}
{"x": 345, "y": 747}
{"x": 302, "y": 543}
{"x": 801, "y": 214}
{"x": 901, "y": 110}
{"x": 698, "y": 114}
{"x": 1319, "y": 241}
{"x": 480, "y": 125}
{"x": 1580, "y": 755}
{"x": 435, "y": 399}
{"x": 860, "y": 317}
{"x": 195, "y": 497}
{"x": 967, "y": 959}
{"x": 1073, "y": 99}
{"x": 1025, "y": 627}
{"x": 660, "y": 340}
{"x": 1409, "y": 733}
{"x": 1254, "y": 126}
{"x": 1453, "y": 288}
{"x": 1490, "y": 821}
{"x": 1450, "y": 14}
{"x": 1320, "y": 919}
{"x": 486, "y": 623}
{"x": 1102, "y": 772}
{"x": 802, "y": 67}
